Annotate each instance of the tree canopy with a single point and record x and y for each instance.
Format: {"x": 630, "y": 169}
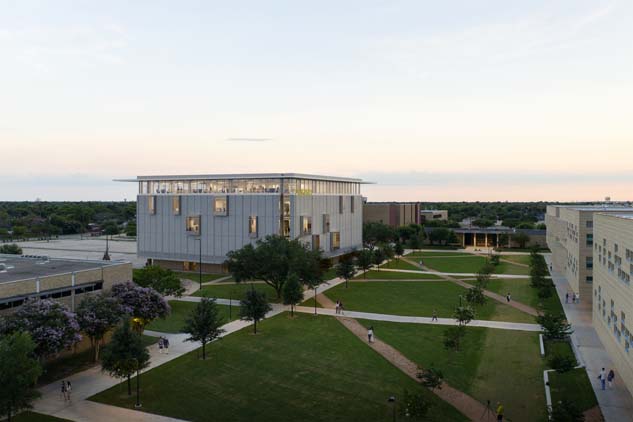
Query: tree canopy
{"x": 144, "y": 304}
{"x": 203, "y": 324}
{"x": 273, "y": 259}
{"x": 164, "y": 281}
{"x": 254, "y": 307}
{"x": 292, "y": 292}
{"x": 96, "y": 315}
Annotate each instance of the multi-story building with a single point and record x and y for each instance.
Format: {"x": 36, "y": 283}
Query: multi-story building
{"x": 612, "y": 291}
{"x": 570, "y": 237}
{"x": 64, "y": 280}
{"x": 184, "y": 220}
{"x": 394, "y": 214}
{"x": 433, "y": 215}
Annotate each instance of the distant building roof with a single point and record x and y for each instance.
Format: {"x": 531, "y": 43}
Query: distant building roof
{"x": 244, "y": 176}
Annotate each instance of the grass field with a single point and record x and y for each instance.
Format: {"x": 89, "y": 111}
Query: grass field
{"x": 305, "y": 368}
{"x": 180, "y": 311}
{"x": 521, "y": 291}
{"x": 29, "y": 416}
{"x": 426, "y": 254}
{"x": 574, "y": 386}
{"x": 470, "y": 264}
{"x": 236, "y": 290}
{"x": 193, "y": 276}
{"x": 399, "y": 264}
{"x": 495, "y": 365}
{"x": 391, "y": 275}
{"x": 519, "y": 259}
{"x": 417, "y": 299}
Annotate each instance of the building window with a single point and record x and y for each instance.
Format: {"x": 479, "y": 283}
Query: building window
{"x": 589, "y": 279}
{"x": 316, "y": 242}
{"x": 589, "y": 262}
{"x": 151, "y": 204}
{"x": 286, "y": 227}
{"x": 335, "y": 241}
{"x": 589, "y": 224}
{"x": 340, "y": 204}
{"x": 306, "y": 225}
{"x": 351, "y": 204}
{"x": 175, "y": 205}
{"x": 326, "y": 223}
{"x": 589, "y": 239}
{"x": 252, "y": 226}
{"x": 221, "y": 205}
{"x": 193, "y": 225}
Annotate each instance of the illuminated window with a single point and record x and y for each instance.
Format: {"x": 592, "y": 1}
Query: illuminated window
{"x": 306, "y": 225}
{"x": 335, "y": 241}
{"x": 175, "y": 205}
{"x": 316, "y": 242}
{"x": 220, "y": 205}
{"x": 252, "y": 226}
{"x": 286, "y": 227}
{"x": 151, "y": 204}
{"x": 326, "y": 223}
{"x": 193, "y": 225}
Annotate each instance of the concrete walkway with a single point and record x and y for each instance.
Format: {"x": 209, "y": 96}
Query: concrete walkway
{"x": 92, "y": 381}
{"x": 616, "y": 404}
{"x": 492, "y": 295}
{"x": 427, "y": 271}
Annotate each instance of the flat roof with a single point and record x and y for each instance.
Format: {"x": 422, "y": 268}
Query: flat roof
{"x": 243, "y": 176}
{"x": 604, "y": 208}
{"x": 627, "y": 216}
{"x": 17, "y": 267}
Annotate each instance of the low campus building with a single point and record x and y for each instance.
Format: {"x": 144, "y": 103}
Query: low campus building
{"x": 64, "y": 280}
{"x": 433, "y": 215}
{"x": 498, "y": 237}
{"x": 186, "y": 220}
{"x": 612, "y": 291}
{"x": 570, "y": 237}
{"x": 394, "y": 214}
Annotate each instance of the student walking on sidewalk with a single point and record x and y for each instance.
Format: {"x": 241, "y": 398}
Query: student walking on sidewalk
{"x": 370, "y": 334}
{"x": 603, "y": 378}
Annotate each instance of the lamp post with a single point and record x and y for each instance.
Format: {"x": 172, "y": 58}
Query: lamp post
{"x": 199, "y": 239}
{"x": 392, "y": 400}
{"x": 138, "y": 387}
{"x": 315, "y": 300}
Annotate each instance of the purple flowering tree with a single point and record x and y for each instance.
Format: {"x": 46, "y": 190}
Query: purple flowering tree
{"x": 98, "y": 314}
{"x": 51, "y": 325}
{"x": 144, "y": 304}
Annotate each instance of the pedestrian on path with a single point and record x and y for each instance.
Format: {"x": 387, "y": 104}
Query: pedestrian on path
{"x": 610, "y": 378}
{"x": 577, "y": 297}
{"x": 602, "y": 377}
{"x": 63, "y": 391}
{"x": 499, "y": 412}
{"x": 69, "y": 389}
{"x": 434, "y": 316}
{"x": 341, "y": 308}
{"x": 420, "y": 263}
{"x": 508, "y": 297}
{"x": 370, "y": 334}
{"x": 160, "y": 345}
{"x": 338, "y": 307}
{"x": 567, "y": 297}
{"x": 166, "y": 345}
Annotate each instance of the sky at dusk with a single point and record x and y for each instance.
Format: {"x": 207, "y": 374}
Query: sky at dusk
{"x": 434, "y": 101}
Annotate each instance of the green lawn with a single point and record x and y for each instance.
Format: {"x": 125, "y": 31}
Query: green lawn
{"x": 392, "y": 275}
{"x": 519, "y": 259}
{"x": 417, "y": 299}
{"x": 196, "y": 276}
{"x": 399, "y": 264}
{"x": 521, "y": 291}
{"x": 495, "y": 365}
{"x": 305, "y": 368}
{"x": 235, "y": 290}
{"x": 574, "y": 386}
{"x": 423, "y": 254}
{"x": 180, "y": 311}
{"x": 470, "y": 264}
{"x": 29, "y": 416}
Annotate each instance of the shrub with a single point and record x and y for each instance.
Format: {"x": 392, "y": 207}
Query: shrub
{"x": 562, "y": 363}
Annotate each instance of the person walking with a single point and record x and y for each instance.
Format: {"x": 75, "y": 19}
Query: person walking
{"x": 602, "y": 377}
{"x": 499, "y": 412}
{"x": 63, "y": 391}
{"x": 610, "y": 378}
{"x": 341, "y": 308}
{"x": 567, "y": 297}
{"x": 577, "y": 297}
{"x": 370, "y": 334}
{"x": 338, "y": 306}
{"x": 166, "y": 345}
{"x": 160, "y": 345}
{"x": 434, "y": 316}
{"x": 508, "y": 297}
{"x": 69, "y": 389}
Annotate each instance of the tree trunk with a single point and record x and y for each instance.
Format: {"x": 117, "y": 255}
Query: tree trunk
{"x": 255, "y": 326}
{"x": 129, "y": 386}
{"x": 346, "y": 283}
{"x": 204, "y": 354}
{"x": 97, "y": 348}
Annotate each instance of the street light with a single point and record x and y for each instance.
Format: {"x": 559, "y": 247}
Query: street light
{"x": 315, "y": 300}
{"x": 392, "y": 400}
{"x": 138, "y": 386}
{"x": 199, "y": 239}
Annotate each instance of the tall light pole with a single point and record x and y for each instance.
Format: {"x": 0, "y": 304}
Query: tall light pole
{"x": 392, "y": 400}
{"x": 315, "y": 300}
{"x": 199, "y": 239}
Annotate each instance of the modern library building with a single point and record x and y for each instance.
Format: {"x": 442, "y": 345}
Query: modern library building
{"x": 186, "y": 219}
